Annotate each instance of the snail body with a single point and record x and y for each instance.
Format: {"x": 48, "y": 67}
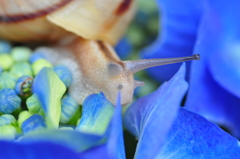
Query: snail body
{"x": 97, "y": 68}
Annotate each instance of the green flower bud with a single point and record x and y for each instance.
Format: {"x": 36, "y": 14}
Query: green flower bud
{"x": 21, "y": 53}
{"x": 20, "y": 69}
{"x": 6, "y": 61}
{"x": 7, "y": 132}
{"x": 39, "y": 65}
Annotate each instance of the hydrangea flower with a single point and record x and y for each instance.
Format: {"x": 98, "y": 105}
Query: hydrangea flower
{"x": 163, "y": 128}
{"x": 211, "y": 29}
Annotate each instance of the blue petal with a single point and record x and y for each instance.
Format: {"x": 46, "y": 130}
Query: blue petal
{"x": 100, "y": 151}
{"x": 42, "y": 150}
{"x": 151, "y": 117}
{"x": 179, "y": 23}
{"x": 115, "y": 142}
{"x": 192, "y": 136}
{"x": 206, "y": 96}
{"x": 47, "y": 150}
{"x": 96, "y": 114}
{"x": 114, "y": 148}
{"x": 49, "y": 90}
{"x": 74, "y": 140}
{"x": 224, "y": 60}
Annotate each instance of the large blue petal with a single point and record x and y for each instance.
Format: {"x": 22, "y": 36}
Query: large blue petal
{"x": 42, "y": 150}
{"x": 223, "y": 22}
{"x": 150, "y": 117}
{"x": 179, "y": 23}
{"x": 192, "y": 136}
{"x": 115, "y": 142}
{"x": 75, "y": 140}
{"x": 206, "y": 96}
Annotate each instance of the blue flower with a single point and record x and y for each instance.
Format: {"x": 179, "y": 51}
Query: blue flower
{"x": 162, "y": 127}
{"x": 164, "y": 130}
{"x": 211, "y": 29}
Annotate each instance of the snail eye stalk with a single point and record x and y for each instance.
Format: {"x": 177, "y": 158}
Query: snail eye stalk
{"x": 138, "y": 65}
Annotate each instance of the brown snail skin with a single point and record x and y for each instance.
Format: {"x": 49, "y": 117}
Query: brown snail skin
{"x": 83, "y": 32}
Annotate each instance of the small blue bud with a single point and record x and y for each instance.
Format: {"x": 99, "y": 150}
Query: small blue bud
{"x": 5, "y": 47}
{"x": 23, "y": 86}
{"x": 1, "y": 69}
{"x": 69, "y": 107}
{"x": 7, "y": 119}
{"x": 33, "y": 123}
{"x": 64, "y": 74}
{"x": 9, "y": 101}
{"x": 36, "y": 56}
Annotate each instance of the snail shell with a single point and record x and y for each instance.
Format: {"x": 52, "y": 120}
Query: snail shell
{"x": 31, "y": 20}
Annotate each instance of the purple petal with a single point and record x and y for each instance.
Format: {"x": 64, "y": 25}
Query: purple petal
{"x": 192, "y": 136}
{"x": 179, "y": 23}
{"x": 151, "y": 117}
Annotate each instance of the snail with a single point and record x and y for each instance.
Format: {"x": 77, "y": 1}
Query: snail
{"x": 87, "y": 52}
{"x": 97, "y": 68}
